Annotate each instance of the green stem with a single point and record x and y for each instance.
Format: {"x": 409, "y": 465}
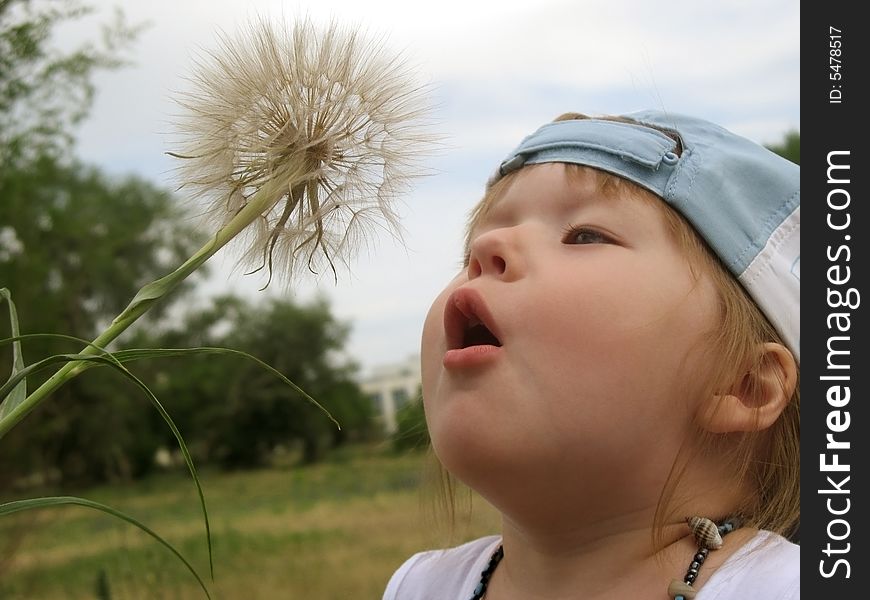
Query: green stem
{"x": 259, "y": 203}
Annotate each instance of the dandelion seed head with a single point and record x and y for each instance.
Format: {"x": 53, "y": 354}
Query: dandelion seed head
{"x": 327, "y": 125}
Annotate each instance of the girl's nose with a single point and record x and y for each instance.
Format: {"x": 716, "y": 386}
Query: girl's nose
{"x": 495, "y": 254}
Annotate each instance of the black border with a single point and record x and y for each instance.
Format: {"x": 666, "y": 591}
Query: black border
{"x": 830, "y": 127}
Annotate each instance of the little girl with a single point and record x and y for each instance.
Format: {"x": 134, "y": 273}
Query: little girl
{"x": 615, "y": 369}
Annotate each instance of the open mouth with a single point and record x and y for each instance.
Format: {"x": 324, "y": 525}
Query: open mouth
{"x": 478, "y": 334}
{"x": 468, "y": 322}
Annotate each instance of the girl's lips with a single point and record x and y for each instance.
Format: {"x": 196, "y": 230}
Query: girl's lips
{"x": 473, "y": 356}
{"x": 465, "y": 315}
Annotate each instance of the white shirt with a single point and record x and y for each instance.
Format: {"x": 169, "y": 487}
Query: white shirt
{"x": 765, "y": 568}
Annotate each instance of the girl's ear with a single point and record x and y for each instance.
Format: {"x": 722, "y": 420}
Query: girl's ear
{"x": 757, "y": 400}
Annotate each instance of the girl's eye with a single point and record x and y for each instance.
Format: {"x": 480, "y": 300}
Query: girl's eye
{"x": 585, "y": 235}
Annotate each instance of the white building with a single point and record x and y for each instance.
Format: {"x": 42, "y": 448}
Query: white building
{"x": 390, "y": 387}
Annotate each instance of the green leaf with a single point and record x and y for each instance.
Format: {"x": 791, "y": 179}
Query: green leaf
{"x": 109, "y": 360}
{"x": 151, "y": 292}
{"x": 133, "y": 354}
{"x": 18, "y": 393}
{"x": 51, "y": 501}
{"x": 43, "y": 364}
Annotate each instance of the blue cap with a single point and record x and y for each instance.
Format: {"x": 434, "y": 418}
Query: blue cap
{"x": 742, "y": 198}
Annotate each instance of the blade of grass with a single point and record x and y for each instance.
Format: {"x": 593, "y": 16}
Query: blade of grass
{"x": 51, "y": 501}
{"x": 43, "y": 364}
{"x": 109, "y": 360}
{"x": 134, "y": 354}
{"x": 123, "y": 356}
{"x": 17, "y": 395}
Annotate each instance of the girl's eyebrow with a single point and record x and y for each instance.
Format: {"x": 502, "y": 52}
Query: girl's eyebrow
{"x": 500, "y": 213}
{"x": 577, "y": 195}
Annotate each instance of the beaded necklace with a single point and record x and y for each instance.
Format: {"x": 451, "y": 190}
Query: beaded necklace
{"x": 707, "y": 534}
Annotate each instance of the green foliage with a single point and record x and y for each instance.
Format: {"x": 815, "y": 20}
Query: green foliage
{"x": 235, "y": 413}
{"x": 790, "y": 147}
{"x": 15, "y": 396}
{"x": 45, "y": 91}
{"x": 72, "y": 244}
{"x": 77, "y": 245}
{"x": 74, "y": 248}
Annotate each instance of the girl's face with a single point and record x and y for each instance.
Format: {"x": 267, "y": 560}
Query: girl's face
{"x": 567, "y": 356}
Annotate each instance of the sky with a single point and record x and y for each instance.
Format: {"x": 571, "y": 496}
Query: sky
{"x": 497, "y": 71}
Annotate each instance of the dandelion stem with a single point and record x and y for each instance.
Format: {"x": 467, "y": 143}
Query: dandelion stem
{"x": 260, "y": 202}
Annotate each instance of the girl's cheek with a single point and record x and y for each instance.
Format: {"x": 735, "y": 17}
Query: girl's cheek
{"x": 428, "y": 328}
{"x": 432, "y": 341}
{"x": 430, "y": 325}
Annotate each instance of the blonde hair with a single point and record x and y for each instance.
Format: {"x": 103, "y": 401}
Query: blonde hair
{"x": 767, "y": 460}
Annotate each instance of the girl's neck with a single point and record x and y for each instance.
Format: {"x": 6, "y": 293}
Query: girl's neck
{"x": 615, "y": 561}
{"x": 565, "y": 543}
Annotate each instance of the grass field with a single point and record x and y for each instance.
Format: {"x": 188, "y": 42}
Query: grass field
{"x": 332, "y": 531}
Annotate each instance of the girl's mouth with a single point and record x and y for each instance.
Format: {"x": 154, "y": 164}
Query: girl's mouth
{"x": 478, "y": 334}
{"x": 471, "y": 333}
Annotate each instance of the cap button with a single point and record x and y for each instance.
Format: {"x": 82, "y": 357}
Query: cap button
{"x": 670, "y": 158}
{"x": 512, "y": 164}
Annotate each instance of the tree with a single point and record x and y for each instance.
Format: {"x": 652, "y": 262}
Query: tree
{"x": 74, "y": 248}
{"x": 74, "y": 244}
{"x": 303, "y": 342}
{"x": 44, "y": 92}
{"x": 790, "y": 147}
{"x": 236, "y": 413}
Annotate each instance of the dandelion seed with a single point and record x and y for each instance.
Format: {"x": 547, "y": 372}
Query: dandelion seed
{"x": 327, "y": 125}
